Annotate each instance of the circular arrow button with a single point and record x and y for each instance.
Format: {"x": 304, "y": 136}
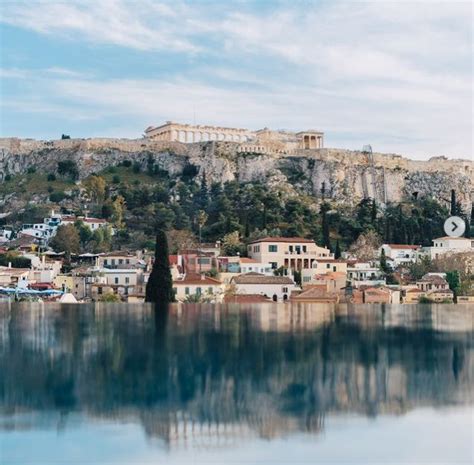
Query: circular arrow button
{"x": 454, "y": 226}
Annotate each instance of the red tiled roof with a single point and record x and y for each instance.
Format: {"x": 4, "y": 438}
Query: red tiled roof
{"x": 257, "y": 278}
{"x": 403, "y": 246}
{"x": 247, "y": 260}
{"x": 246, "y": 299}
{"x": 284, "y": 239}
{"x": 197, "y": 279}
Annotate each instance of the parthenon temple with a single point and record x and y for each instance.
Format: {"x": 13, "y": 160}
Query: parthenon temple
{"x": 252, "y": 141}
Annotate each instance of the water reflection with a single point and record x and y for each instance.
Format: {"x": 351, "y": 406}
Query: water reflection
{"x": 215, "y": 375}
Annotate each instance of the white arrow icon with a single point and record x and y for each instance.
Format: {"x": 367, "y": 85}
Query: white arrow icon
{"x": 454, "y": 226}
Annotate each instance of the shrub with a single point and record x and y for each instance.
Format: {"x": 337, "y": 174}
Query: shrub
{"x": 50, "y": 189}
{"x": 51, "y": 177}
{"x": 31, "y": 170}
{"x": 127, "y": 163}
{"x": 57, "y": 196}
{"x": 116, "y": 179}
{"x": 8, "y": 177}
{"x": 68, "y": 168}
{"x": 136, "y": 167}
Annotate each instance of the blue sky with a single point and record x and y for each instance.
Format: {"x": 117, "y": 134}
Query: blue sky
{"x": 397, "y": 75}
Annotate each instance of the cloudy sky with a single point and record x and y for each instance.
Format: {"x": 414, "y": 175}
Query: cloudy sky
{"x": 396, "y": 75}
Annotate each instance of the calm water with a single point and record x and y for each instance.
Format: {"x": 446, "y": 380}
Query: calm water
{"x": 87, "y": 384}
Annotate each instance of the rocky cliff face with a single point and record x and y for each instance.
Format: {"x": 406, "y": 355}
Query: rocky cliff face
{"x": 347, "y": 176}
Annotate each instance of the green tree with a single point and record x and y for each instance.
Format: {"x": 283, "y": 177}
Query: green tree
{"x": 66, "y": 240}
{"x": 454, "y": 281}
{"x": 337, "y": 252}
{"x": 383, "y": 262}
{"x": 159, "y": 288}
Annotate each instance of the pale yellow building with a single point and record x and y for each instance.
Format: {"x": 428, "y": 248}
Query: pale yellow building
{"x": 288, "y": 252}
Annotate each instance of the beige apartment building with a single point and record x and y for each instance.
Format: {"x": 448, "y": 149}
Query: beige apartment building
{"x": 288, "y": 252}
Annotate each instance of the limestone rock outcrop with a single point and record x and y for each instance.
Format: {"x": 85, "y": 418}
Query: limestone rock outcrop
{"x": 347, "y": 176}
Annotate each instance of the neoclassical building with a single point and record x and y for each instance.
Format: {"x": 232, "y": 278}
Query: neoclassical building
{"x": 263, "y": 140}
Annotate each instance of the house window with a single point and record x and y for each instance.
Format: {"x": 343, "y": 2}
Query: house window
{"x": 198, "y": 290}
{"x": 127, "y": 280}
{"x": 333, "y": 268}
{"x": 105, "y": 262}
{"x": 186, "y": 290}
{"x": 99, "y": 290}
{"x": 285, "y": 289}
{"x": 209, "y": 290}
{"x": 273, "y": 248}
{"x": 113, "y": 261}
{"x": 328, "y": 265}
{"x": 290, "y": 248}
{"x": 274, "y": 265}
{"x": 120, "y": 261}
{"x": 304, "y": 249}
{"x": 116, "y": 280}
{"x": 127, "y": 261}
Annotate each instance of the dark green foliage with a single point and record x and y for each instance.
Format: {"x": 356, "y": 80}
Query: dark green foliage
{"x": 16, "y": 261}
{"x": 127, "y": 163}
{"x": 57, "y": 196}
{"x": 65, "y": 136}
{"x": 454, "y": 281}
{"x": 136, "y": 167}
{"x": 159, "y": 288}
{"x": 8, "y": 177}
{"x": 337, "y": 251}
{"x": 51, "y": 177}
{"x": 31, "y": 170}
{"x": 116, "y": 179}
{"x": 297, "y": 277}
{"x": 68, "y": 168}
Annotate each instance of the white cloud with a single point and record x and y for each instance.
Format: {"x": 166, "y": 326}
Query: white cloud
{"x": 395, "y": 74}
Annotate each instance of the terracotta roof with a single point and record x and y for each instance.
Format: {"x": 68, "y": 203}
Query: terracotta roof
{"x": 315, "y": 293}
{"x": 432, "y": 279}
{"x": 246, "y": 299}
{"x": 284, "y": 239}
{"x": 453, "y": 238}
{"x": 331, "y": 260}
{"x": 195, "y": 278}
{"x": 330, "y": 275}
{"x": 257, "y": 278}
{"x": 247, "y": 260}
{"x": 118, "y": 253}
{"x": 403, "y": 246}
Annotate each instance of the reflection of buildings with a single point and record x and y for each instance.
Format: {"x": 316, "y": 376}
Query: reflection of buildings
{"x": 212, "y": 375}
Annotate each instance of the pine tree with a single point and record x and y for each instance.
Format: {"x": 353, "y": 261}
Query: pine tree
{"x": 159, "y": 288}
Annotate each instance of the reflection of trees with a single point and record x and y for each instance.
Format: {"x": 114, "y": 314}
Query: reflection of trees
{"x": 220, "y": 371}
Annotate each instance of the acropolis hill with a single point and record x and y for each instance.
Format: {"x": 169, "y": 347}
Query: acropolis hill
{"x": 295, "y": 161}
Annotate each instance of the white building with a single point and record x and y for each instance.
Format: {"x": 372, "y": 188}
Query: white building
{"x": 364, "y": 274}
{"x": 288, "y": 252}
{"x": 249, "y": 265}
{"x": 277, "y": 288}
{"x": 5, "y": 235}
{"x": 442, "y": 245}
{"x": 198, "y": 286}
{"x": 400, "y": 254}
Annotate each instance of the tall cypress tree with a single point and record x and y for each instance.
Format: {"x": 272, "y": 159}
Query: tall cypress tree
{"x": 159, "y": 288}
{"x": 454, "y": 209}
{"x": 337, "y": 252}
